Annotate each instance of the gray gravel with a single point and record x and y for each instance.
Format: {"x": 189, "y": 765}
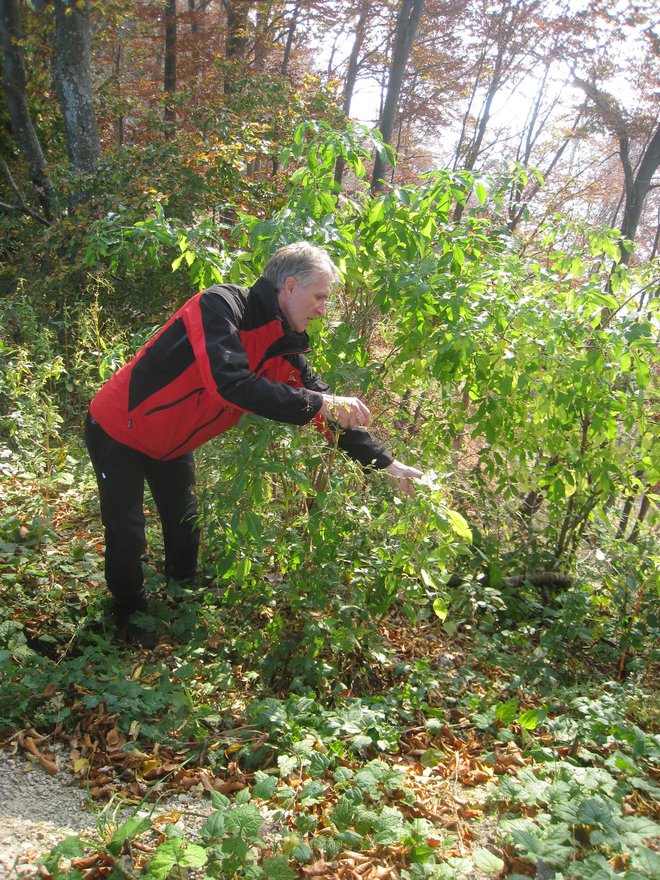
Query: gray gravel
{"x": 37, "y": 811}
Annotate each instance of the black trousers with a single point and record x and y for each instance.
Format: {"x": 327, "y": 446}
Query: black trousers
{"x": 121, "y": 473}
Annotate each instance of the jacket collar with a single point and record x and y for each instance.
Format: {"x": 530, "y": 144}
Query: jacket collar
{"x": 262, "y": 297}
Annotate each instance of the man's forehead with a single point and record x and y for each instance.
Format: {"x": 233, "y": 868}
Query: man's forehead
{"x": 318, "y": 283}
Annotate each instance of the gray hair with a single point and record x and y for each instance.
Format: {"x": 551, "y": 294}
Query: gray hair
{"x": 302, "y": 261}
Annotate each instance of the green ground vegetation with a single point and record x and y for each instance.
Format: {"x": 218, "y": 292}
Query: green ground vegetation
{"x": 460, "y": 684}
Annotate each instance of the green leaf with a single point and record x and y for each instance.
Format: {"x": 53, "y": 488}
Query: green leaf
{"x": 129, "y": 830}
{"x": 244, "y": 821}
{"x": 318, "y": 764}
{"x": 343, "y": 774}
{"x": 219, "y": 800}
{"x": 389, "y": 827}
{"x": 243, "y": 796}
{"x": 530, "y": 718}
{"x": 432, "y": 758}
{"x": 343, "y": 814}
{"x": 265, "y": 785}
{"x": 312, "y": 792}
{"x": 440, "y": 608}
{"x": 287, "y": 765}
{"x": 351, "y": 839}
{"x": 534, "y": 847}
{"x": 361, "y": 742}
{"x": 639, "y": 828}
{"x": 175, "y": 852}
{"x": 70, "y": 847}
{"x": 647, "y": 861}
{"x": 302, "y": 853}
{"x": 459, "y": 525}
{"x": 506, "y": 712}
{"x": 278, "y": 868}
{"x": 594, "y": 811}
{"x": 487, "y": 861}
{"x": 214, "y": 827}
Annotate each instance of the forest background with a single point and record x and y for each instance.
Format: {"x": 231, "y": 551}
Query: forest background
{"x": 456, "y": 684}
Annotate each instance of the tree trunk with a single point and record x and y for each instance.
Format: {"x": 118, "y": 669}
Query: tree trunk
{"x": 169, "y": 70}
{"x": 468, "y": 110}
{"x": 261, "y": 40}
{"x": 351, "y": 77}
{"x": 119, "y": 119}
{"x": 637, "y": 187}
{"x": 520, "y": 200}
{"x": 637, "y": 184}
{"x": 237, "y": 32}
{"x": 406, "y": 28}
{"x": 13, "y": 81}
{"x": 505, "y": 33}
{"x": 644, "y": 508}
{"x": 73, "y": 83}
{"x": 194, "y": 27}
{"x": 289, "y": 39}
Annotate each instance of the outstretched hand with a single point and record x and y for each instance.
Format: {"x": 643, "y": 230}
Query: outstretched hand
{"x": 404, "y": 476}
{"x": 347, "y": 412}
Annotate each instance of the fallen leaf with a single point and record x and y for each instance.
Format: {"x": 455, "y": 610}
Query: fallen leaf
{"x": 49, "y": 765}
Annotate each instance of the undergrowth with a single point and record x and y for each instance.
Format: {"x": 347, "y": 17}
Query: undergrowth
{"x": 460, "y": 684}
{"x": 325, "y": 730}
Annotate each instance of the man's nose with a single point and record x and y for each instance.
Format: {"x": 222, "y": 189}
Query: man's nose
{"x": 320, "y": 309}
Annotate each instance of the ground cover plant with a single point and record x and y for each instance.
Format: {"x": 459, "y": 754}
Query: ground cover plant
{"x": 456, "y": 684}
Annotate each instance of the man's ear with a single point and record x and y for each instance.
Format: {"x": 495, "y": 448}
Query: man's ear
{"x": 289, "y": 286}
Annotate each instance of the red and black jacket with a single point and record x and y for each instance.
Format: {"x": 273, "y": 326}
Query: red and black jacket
{"x": 226, "y": 351}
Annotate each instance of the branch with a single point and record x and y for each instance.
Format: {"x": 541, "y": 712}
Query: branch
{"x": 21, "y": 207}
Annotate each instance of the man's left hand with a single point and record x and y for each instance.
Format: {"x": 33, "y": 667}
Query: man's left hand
{"x": 404, "y": 475}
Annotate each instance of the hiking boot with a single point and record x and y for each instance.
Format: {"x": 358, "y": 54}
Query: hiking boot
{"x": 133, "y": 634}
{"x": 135, "y": 625}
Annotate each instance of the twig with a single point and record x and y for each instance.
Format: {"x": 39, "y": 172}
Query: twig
{"x": 21, "y": 207}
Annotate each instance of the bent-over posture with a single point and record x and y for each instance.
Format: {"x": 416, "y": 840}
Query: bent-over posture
{"x": 226, "y": 351}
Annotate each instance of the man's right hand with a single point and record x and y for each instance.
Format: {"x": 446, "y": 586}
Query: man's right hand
{"x": 347, "y": 412}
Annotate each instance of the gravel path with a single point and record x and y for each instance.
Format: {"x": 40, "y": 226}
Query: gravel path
{"x": 38, "y": 810}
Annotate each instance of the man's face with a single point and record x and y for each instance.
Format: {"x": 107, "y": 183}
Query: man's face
{"x": 302, "y": 303}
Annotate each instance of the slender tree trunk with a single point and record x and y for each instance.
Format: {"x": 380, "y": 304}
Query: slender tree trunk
{"x": 73, "y": 83}
{"x": 289, "y": 39}
{"x": 484, "y": 117}
{"x": 626, "y": 510}
{"x": 508, "y": 18}
{"x": 637, "y": 183}
{"x": 656, "y": 240}
{"x": 468, "y": 111}
{"x": 194, "y": 26}
{"x": 169, "y": 70}
{"x": 119, "y": 119}
{"x": 644, "y": 508}
{"x": 351, "y": 78}
{"x": 13, "y": 81}
{"x": 518, "y": 208}
{"x": 237, "y": 33}
{"x": 637, "y": 187}
{"x": 261, "y": 36}
{"x": 410, "y": 12}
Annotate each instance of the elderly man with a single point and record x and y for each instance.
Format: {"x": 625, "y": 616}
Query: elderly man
{"x": 226, "y": 351}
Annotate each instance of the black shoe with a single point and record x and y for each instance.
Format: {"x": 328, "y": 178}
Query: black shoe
{"x": 131, "y": 629}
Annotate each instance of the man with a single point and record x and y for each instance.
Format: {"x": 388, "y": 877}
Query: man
{"x": 226, "y": 351}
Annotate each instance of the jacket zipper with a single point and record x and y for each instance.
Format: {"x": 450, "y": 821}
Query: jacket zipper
{"x": 268, "y": 356}
{"x": 172, "y": 403}
{"x": 192, "y": 434}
